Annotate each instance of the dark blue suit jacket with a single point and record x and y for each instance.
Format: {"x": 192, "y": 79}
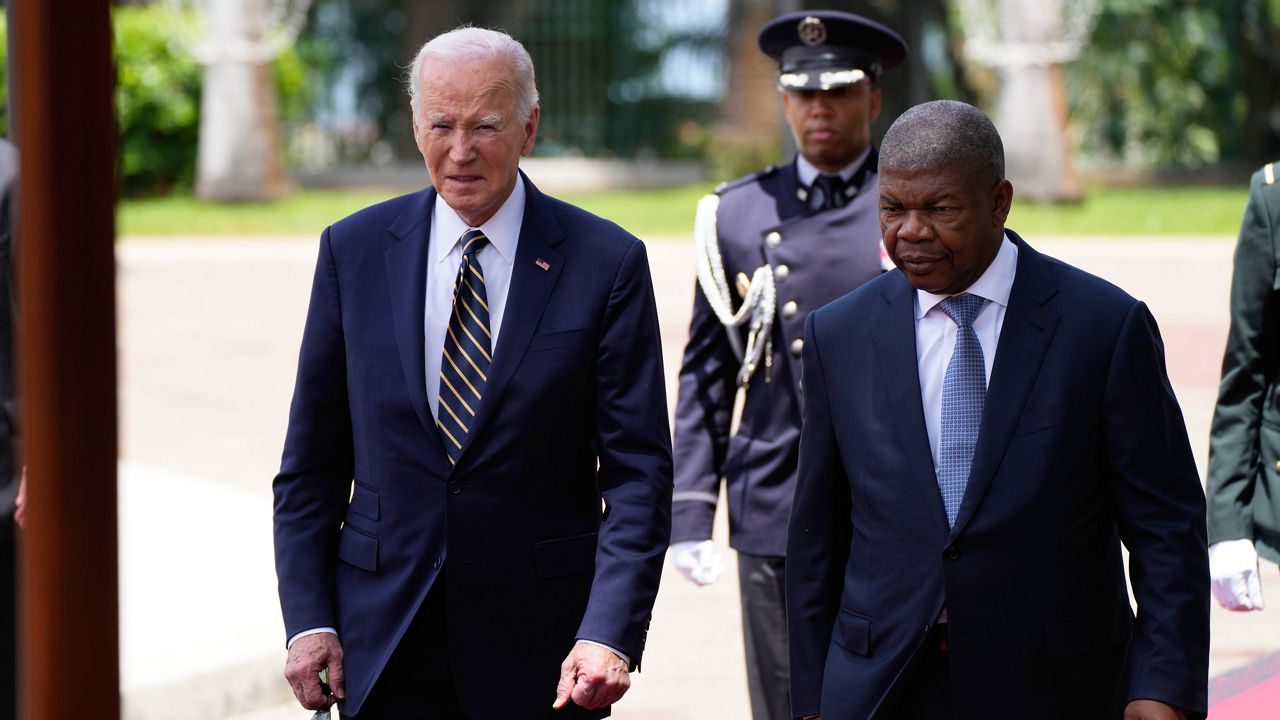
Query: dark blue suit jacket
{"x": 1082, "y": 447}
{"x": 573, "y": 419}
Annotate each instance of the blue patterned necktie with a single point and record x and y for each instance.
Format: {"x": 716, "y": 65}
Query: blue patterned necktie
{"x": 964, "y": 389}
{"x": 464, "y": 369}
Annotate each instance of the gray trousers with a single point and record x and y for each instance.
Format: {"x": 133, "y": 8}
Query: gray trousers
{"x": 764, "y": 633}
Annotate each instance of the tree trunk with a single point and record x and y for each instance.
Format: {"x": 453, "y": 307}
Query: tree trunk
{"x": 240, "y": 158}
{"x": 1031, "y": 109}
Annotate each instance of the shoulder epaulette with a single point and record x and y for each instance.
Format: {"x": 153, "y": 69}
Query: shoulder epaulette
{"x": 728, "y": 185}
{"x": 1269, "y": 173}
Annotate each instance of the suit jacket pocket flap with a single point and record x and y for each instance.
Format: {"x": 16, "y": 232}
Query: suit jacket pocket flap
{"x": 1067, "y": 638}
{"x": 1042, "y": 418}
{"x": 356, "y": 548}
{"x": 565, "y": 338}
{"x": 853, "y": 632}
{"x": 365, "y": 502}
{"x": 566, "y": 556}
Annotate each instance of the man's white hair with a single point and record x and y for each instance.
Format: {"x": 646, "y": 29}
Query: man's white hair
{"x": 472, "y": 44}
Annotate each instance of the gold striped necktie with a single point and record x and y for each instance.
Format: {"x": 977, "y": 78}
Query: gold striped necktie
{"x": 468, "y": 343}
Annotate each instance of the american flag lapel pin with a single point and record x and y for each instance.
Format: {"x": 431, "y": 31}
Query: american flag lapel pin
{"x": 542, "y": 264}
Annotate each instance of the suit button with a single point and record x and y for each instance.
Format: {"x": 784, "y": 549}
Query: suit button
{"x": 782, "y": 272}
{"x": 1278, "y": 466}
{"x": 455, "y": 487}
{"x": 438, "y": 563}
{"x": 790, "y": 309}
{"x": 773, "y": 239}
{"x": 797, "y": 346}
{"x": 951, "y": 553}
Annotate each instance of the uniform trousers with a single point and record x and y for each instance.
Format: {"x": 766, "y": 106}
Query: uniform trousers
{"x": 761, "y": 582}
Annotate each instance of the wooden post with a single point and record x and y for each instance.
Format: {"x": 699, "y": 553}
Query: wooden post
{"x": 63, "y": 78}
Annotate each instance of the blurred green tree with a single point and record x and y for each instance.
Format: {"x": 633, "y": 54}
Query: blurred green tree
{"x": 157, "y": 104}
{"x": 1180, "y": 82}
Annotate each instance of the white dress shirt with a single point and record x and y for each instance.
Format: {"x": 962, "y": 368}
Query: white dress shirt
{"x": 936, "y": 334}
{"x": 807, "y": 172}
{"x": 445, "y": 257}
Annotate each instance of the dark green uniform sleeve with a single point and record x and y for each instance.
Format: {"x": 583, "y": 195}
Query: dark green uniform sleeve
{"x": 1239, "y": 456}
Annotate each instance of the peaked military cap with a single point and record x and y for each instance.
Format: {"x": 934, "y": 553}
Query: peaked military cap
{"x": 823, "y": 49}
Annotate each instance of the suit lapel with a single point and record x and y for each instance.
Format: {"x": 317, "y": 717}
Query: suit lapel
{"x": 893, "y": 333}
{"x": 407, "y": 263}
{"x": 533, "y": 276}
{"x": 1029, "y": 325}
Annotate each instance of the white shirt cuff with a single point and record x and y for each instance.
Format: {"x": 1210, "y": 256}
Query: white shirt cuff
{"x": 313, "y": 631}
{"x": 615, "y": 651}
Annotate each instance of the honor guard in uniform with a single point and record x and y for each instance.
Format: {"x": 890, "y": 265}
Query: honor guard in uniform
{"x": 1244, "y": 446}
{"x": 771, "y": 247}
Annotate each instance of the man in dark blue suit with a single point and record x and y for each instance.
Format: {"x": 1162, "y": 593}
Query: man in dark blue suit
{"x": 474, "y": 499}
{"x": 983, "y": 429}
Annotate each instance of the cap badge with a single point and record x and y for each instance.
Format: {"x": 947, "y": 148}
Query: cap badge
{"x": 812, "y": 31}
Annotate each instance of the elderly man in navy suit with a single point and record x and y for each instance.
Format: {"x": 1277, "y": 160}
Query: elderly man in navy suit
{"x": 474, "y": 499}
{"x": 983, "y": 429}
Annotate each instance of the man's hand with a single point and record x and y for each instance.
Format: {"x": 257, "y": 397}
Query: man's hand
{"x": 1152, "y": 710}
{"x": 20, "y": 503}
{"x": 309, "y": 655}
{"x": 697, "y": 560}
{"x": 592, "y": 677}
{"x": 1233, "y": 572}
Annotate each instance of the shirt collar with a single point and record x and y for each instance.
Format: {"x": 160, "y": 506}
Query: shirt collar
{"x": 503, "y": 229}
{"x": 808, "y": 172}
{"x": 995, "y": 283}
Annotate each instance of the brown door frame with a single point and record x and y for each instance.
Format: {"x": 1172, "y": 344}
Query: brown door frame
{"x": 63, "y": 79}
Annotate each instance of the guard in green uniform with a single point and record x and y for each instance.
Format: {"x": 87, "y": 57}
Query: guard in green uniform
{"x": 1244, "y": 449}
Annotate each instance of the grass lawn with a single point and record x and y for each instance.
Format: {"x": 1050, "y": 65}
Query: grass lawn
{"x": 668, "y": 212}
{"x": 1136, "y": 211}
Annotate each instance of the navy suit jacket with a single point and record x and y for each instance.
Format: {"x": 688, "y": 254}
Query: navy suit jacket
{"x": 554, "y": 522}
{"x": 1082, "y": 446}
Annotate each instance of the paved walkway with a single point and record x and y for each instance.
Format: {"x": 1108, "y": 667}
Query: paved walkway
{"x": 210, "y": 333}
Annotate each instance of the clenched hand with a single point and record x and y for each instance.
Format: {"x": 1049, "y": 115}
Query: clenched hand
{"x": 309, "y": 655}
{"x": 592, "y": 677}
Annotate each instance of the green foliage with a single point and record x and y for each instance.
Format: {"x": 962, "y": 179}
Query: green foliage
{"x": 294, "y": 94}
{"x": 158, "y": 98}
{"x": 1156, "y": 85}
{"x": 157, "y": 103}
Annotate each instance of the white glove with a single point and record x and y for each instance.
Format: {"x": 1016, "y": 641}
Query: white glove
{"x": 697, "y": 560}
{"x": 1233, "y": 572}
